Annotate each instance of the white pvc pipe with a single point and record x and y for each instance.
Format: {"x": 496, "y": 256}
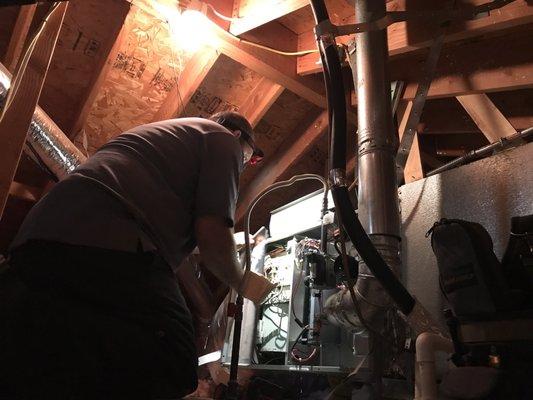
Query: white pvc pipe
{"x": 427, "y": 344}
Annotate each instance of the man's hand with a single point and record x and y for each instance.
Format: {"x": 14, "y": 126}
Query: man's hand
{"x": 217, "y": 250}
{"x": 255, "y": 287}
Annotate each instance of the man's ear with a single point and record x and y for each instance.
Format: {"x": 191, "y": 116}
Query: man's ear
{"x": 237, "y": 133}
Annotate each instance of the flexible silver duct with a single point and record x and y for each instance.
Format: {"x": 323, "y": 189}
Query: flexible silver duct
{"x": 45, "y": 143}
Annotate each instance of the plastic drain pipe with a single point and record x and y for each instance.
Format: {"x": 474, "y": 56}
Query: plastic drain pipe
{"x": 427, "y": 344}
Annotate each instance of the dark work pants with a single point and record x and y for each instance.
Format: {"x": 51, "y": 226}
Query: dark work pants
{"x": 85, "y": 323}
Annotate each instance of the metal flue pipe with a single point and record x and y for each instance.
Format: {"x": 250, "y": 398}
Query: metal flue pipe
{"x": 45, "y": 143}
{"x": 378, "y": 205}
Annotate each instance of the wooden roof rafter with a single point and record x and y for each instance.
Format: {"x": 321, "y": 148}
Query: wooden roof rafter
{"x": 491, "y": 122}
{"x": 19, "y": 35}
{"x": 191, "y": 78}
{"x": 260, "y": 100}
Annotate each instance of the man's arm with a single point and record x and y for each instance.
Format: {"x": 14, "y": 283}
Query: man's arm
{"x": 217, "y": 249}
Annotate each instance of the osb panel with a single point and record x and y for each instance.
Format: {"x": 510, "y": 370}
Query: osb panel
{"x": 226, "y": 87}
{"x": 8, "y": 17}
{"x": 146, "y": 68}
{"x": 83, "y": 42}
{"x": 279, "y": 123}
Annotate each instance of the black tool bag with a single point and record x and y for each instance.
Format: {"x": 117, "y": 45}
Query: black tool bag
{"x": 471, "y": 276}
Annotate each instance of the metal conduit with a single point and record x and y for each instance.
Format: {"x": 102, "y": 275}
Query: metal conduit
{"x": 45, "y": 143}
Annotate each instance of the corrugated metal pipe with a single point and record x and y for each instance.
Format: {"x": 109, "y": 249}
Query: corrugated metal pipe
{"x": 46, "y": 143}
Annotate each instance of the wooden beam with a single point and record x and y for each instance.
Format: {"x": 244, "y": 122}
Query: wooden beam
{"x": 413, "y": 170}
{"x": 499, "y": 64}
{"x": 191, "y": 78}
{"x": 108, "y": 53}
{"x": 276, "y": 167}
{"x": 488, "y": 66}
{"x": 253, "y": 13}
{"x": 16, "y": 119}
{"x": 405, "y": 37}
{"x": 18, "y": 37}
{"x": 260, "y": 100}
{"x": 487, "y": 117}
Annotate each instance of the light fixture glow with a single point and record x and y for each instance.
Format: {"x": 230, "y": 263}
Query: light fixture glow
{"x": 190, "y": 29}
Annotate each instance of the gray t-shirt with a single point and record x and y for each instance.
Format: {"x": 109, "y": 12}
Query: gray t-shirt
{"x": 149, "y": 184}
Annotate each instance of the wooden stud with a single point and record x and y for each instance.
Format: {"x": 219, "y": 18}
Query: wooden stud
{"x": 17, "y": 118}
{"x": 404, "y": 38}
{"x": 19, "y": 35}
{"x": 260, "y": 100}
{"x": 487, "y": 117}
{"x": 254, "y": 13}
{"x": 276, "y": 167}
{"x": 190, "y": 80}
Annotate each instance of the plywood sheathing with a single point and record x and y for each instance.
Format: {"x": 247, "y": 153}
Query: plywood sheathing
{"x": 82, "y": 43}
{"x": 144, "y": 71}
{"x": 226, "y": 87}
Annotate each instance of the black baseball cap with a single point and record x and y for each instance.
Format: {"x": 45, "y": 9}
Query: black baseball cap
{"x": 236, "y": 122}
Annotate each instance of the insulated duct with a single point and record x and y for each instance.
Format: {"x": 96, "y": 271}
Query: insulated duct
{"x": 46, "y": 143}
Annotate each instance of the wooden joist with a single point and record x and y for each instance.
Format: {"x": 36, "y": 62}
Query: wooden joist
{"x": 406, "y": 37}
{"x": 250, "y": 14}
{"x": 499, "y": 64}
{"x": 16, "y": 118}
{"x": 277, "y": 166}
{"x": 260, "y": 100}
{"x": 191, "y": 78}
{"x": 19, "y": 35}
{"x": 493, "y": 65}
{"x": 490, "y": 121}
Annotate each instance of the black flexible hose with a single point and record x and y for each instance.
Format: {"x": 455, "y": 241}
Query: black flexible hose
{"x": 343, "y": 206}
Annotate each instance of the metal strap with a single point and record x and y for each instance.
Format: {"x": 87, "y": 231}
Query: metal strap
{"x": 418, "y": 103}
